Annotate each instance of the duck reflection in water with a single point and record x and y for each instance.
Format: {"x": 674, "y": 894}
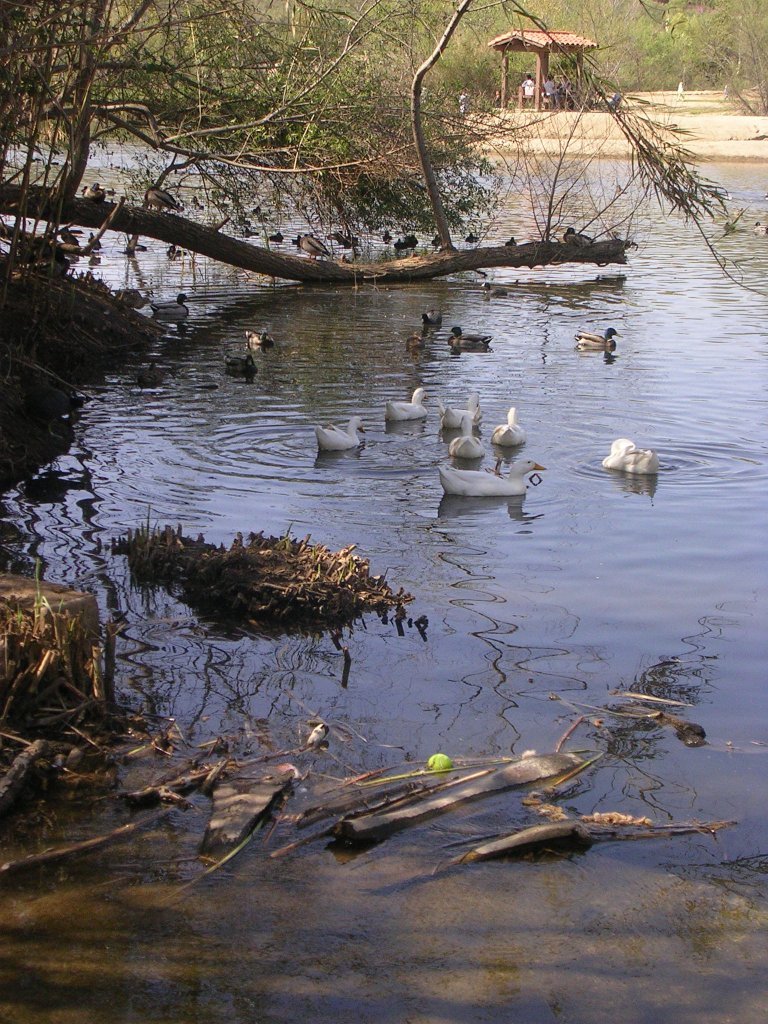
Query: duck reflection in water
{"x": 454, "y": 506}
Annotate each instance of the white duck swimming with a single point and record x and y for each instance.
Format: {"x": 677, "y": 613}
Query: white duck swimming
{"x": 475, "y": 483}
{"x": 599, "y": 342}
{"x": 413, "y": 410}
{"x": 171, "y": 310}
{"x": 338, "y": 439}
{"x": 450, "y": 419}
{"x": 467, "y": 445}
{"x": 510, "y": 433}
{"x": 627, "y": 458}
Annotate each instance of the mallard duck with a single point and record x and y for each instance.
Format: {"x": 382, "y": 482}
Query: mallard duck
{"x": 312, "y": 246}
{"x": 509, "y": 434}
{"x": 171, "y": 310}
{"x": 408, "y": 242}
{"x": 386, "y": 238}
{"x": 461, "y": 342}
{"x": 160, "y": 199}
{"x": 511, "y": 244}
{"x": 68, "y": 236}
{"x": 432, "y": 317}
{"x": 276, "y": 237}
{"x": 472, "y": 238}
{"x": 415, "y": 342}
{"x": 259, "y": 341}
{"x": 467, "y": 446}
{"x": 493, "y": 291}
{"x": 475, "y": 483}
{"x": 95, "y": 192}
{"x": 599, "y": 342}
{"x": 150, "y": 376}
{"x": 450, "y": 419}
{"x": 760, "y": 229}
{"x": 345, "y": 241}
{"x": 240, "y": 366}
{"x": 338, "y": 439}
{"x": 574, "y": 237}
{"x": 93, "y": 243}
{"x": 627, "y": 458}
{"x": 413, "y": 410}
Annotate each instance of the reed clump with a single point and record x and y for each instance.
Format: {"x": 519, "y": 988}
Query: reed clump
{"x": 51, "y": 671}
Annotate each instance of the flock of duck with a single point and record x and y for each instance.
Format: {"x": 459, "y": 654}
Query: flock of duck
{"x": 624, "y": 455}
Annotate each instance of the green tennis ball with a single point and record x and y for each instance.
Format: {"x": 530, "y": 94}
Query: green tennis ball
{"x": 439, "y": 763}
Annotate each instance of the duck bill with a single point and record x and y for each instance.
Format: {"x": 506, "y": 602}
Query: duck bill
{"x": 536, "y": 466}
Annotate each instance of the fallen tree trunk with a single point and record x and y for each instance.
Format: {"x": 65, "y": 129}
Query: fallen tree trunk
{"x": 207, "y": 241}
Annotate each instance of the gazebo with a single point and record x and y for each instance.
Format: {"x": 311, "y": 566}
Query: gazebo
{"x": 542, "y": 44}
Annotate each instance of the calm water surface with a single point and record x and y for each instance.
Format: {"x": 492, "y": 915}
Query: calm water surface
{"x": 538, "y": 608}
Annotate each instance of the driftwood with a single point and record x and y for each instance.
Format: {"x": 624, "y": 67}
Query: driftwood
{"x": 208, "y": 242}
{"x": 16, "y": 777}
{"x": 239, "y": 805}
{"x": 58, "y": 853}
{"x": 556, "y": 835}
{"x": 191, "y": 777}
{"x": 377, "y": 825}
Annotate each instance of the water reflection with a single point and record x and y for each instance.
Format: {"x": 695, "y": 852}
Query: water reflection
{"x": 584, "y": 592}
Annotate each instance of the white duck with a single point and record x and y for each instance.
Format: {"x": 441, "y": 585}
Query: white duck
{"x": 627, "y": 458}
{"x": 450, "y": 419}
{"x": 475, "y": 483}
{"x": 171, "y": 310}
{"x": 413, "y": 410}
{"x": 509, "y": 434}
{"x": 467, "y": 446}
{"x": 338, "y": 439}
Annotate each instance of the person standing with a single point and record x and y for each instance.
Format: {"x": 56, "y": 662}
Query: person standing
{"x": 529, "y": 89}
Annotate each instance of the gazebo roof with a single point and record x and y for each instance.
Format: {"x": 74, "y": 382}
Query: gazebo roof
{"x": 536, "y": 39}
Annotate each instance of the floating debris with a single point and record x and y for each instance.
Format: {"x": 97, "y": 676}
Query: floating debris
{"x": 265, "y": 579}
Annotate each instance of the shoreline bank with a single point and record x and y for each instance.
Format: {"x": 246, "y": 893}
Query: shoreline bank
{"x": 707, "y": 125}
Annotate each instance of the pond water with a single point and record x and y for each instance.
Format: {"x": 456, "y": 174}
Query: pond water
{"x": 539, "y": 608}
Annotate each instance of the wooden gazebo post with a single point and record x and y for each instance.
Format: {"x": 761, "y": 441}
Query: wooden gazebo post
{"x": 541, "y": 43}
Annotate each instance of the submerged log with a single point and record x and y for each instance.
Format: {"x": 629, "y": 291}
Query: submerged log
{"x": 16, "y": 777}
{"x": 556, "y": 835}
{"x": 239, "y": 805}
{"x": 372, "y": 827}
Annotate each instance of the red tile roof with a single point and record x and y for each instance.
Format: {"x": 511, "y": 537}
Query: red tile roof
{"x": 536, "y": 39}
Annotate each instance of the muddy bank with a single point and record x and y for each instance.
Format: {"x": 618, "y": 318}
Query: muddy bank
{"x": 58, "y": 337}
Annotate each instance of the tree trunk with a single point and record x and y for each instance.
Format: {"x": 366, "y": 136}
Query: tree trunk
{"x": 209, "y": 242}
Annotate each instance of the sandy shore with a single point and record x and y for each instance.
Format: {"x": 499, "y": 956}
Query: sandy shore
{"x": 714, "y": 128}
